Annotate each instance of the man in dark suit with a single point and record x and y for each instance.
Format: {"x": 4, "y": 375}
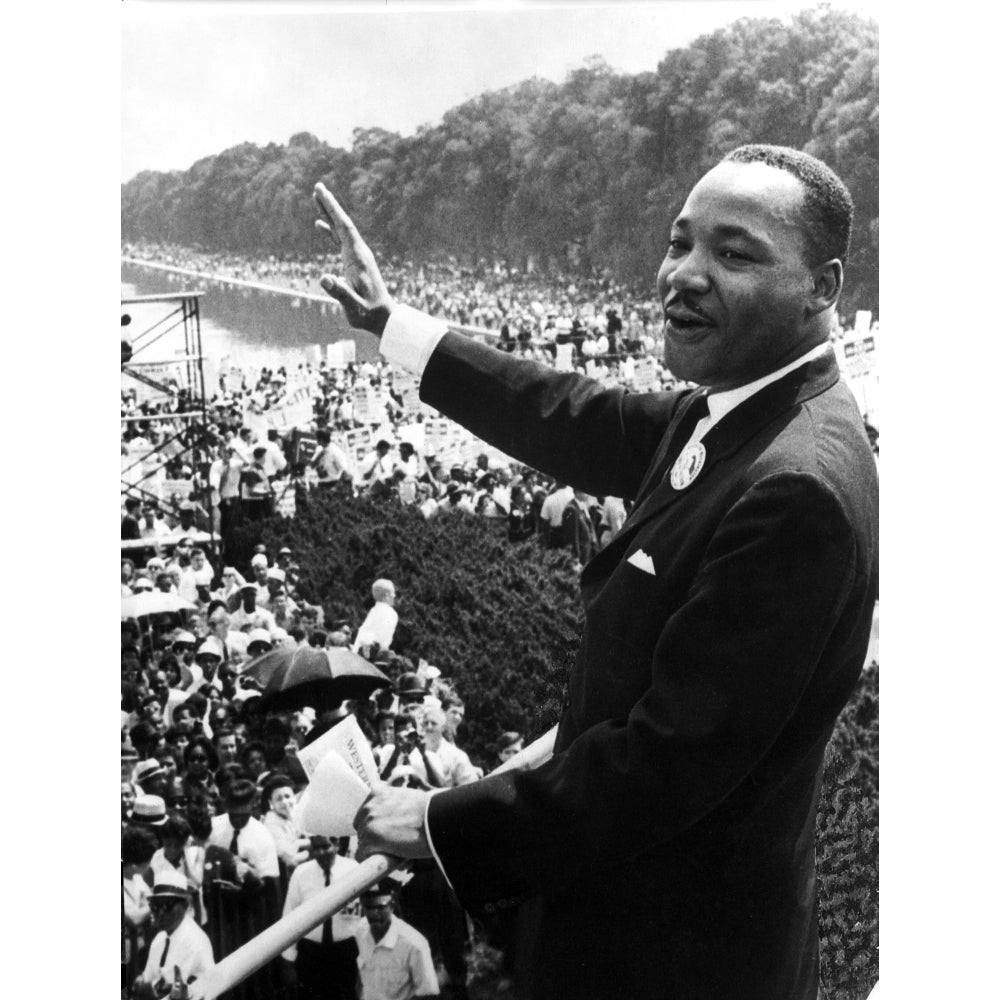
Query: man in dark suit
{"x": 667, "y": 847}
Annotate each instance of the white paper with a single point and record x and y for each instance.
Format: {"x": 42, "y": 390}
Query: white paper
{"x": 348, "y": 741}
{"x": 331, "y": 799}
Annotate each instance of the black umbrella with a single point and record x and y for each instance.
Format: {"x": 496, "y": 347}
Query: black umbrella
{"x": 322, "y": 678}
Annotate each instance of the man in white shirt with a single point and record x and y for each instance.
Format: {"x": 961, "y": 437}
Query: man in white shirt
{"x": 380, "y": 623}
{"x": 274, "y": 460}
{"x": 246, "y": 837}
{"x": 330, "y": 462}
{"x": 179, "y": 943}
{"x": 152, "y": 526}
{"x": 324, "y": 962}
{"x": 394, "y": 958}
{"x": 377, "y": 466}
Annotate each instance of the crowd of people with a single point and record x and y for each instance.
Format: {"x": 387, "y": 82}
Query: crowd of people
{"x": 535, "y": 307}
{"x": 212, "y": 852}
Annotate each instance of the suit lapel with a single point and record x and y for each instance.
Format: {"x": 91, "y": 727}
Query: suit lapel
{"x": 725, "y": 438}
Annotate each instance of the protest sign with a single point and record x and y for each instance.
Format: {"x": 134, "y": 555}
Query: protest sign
{"x": 358, "y": 443}
{"x": 645, "y": 379}
{"x": 232, "y": 381}
{"x": 295, "y": 410}
{"x": 182, "y": 487}
{"x": 364, "y": 404}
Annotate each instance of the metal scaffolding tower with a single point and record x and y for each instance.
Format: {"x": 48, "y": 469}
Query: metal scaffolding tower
{"x": 179, "y": 381}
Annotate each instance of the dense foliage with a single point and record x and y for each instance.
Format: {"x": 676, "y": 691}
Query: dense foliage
{"x": 503, "y": 622}
{"x": 586, "y": 174}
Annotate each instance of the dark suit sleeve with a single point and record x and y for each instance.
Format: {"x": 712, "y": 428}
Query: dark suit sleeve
{"x": 726, "y": 676}
{"x": 568, "y": 426}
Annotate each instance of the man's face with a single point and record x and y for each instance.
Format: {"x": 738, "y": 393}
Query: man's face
{"x": 226, "y": 748}
{"x": 432, "y": 727}
{"x": 197, "y": 560}
{"x": 378, "y": 913}
{"x": 507, "y": 752}
{"x": 323, "y": 850}
{"x": 260, "y": 574}
{"x": 128, "y": 797}
{"x": 734, "y": 283}
{"x": 239, "y": 816}
{"x": 385, "y": 731}
{"x": 167, "y": 913}
{"x": 218, "y": 625}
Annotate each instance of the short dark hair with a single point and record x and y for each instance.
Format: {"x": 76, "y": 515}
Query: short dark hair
{"x": 240, "y": 792}
{"x": 828, "y": 210}
{"x": 138, "y": 845}
{"x": 175, "y": 828}
{"x": 272, "y": 783}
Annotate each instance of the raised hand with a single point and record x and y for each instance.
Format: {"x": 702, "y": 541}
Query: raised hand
{"x": 361, "y": 291}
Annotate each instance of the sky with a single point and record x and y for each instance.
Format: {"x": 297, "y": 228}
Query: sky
{"x": 198, "y": 78}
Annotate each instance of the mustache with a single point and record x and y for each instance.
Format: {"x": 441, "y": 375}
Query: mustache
{"x": 679, "y": 299}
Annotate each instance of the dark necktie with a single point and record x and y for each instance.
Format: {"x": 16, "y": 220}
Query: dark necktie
{"x": 328, "y": 923}
{"x": 166, "y": 948}
{"x": 233, "y": 845}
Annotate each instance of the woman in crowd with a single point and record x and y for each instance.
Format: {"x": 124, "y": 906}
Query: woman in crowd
{"x": 200, "y": 762}
{"x": 278, "y": 794}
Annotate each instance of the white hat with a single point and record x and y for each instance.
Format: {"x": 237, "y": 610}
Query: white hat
{"x": 142, "y": 583}
{"x": 237, "y": 642}
{"x": 211, "y": 646}
{"x": 169, "y": 883}
{"x": 259, "y": 560}
{"x": 276, "y": 574}
{"x": 259, "y": 635}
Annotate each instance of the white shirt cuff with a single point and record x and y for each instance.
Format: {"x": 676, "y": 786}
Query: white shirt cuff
{"x": 430, "y": 841}
{"x": 409, "y": 338}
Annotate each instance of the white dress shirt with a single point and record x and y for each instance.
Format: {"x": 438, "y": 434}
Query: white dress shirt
{"x": 307, "y": 881}
{"x": 255, "y": 845}
{"x": 189, "y": 949}
{"x": 399, "y": 966}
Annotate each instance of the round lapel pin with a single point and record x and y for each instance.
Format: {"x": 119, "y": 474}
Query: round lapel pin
{"x": 689, "y": 463}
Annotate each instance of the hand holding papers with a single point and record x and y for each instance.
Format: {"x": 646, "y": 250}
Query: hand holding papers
{"x": 342, "y": 773}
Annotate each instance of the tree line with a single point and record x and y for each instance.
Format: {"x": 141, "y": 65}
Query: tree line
{"x": 583, "y": 176}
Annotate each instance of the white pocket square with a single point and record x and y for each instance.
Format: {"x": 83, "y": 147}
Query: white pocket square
{"x": 640, "y": 560}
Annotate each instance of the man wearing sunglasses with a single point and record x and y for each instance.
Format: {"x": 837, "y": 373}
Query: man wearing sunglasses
{"x": 179, "y": 941}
